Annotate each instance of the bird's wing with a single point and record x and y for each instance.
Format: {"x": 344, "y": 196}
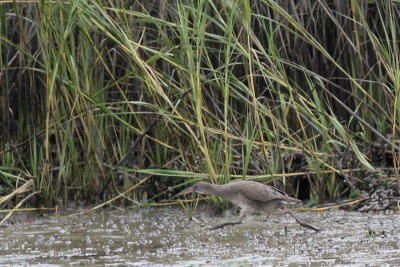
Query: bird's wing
{"x": 260, "y": 192}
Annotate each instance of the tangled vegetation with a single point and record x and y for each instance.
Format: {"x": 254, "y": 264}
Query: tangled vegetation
{"x": 134, "y": 100}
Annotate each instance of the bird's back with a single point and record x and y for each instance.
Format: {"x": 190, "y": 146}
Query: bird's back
{"x": 254, "y": 191}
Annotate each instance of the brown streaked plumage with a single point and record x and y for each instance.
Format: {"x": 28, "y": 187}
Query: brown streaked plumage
{"x": 251, "y": 197}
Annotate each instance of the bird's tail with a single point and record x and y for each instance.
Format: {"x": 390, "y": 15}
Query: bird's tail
{"x": 290, "y": 200}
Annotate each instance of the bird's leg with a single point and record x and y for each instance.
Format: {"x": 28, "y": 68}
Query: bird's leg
{"x": 306, "y": 225}
{"x": 222, "y": 225}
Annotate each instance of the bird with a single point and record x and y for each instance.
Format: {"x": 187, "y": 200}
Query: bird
{"x": 251, "y": 197}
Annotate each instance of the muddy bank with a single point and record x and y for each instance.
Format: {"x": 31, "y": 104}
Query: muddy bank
{"x": 165, "y": 237}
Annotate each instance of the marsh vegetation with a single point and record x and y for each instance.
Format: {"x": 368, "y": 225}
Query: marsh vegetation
{"x": 127, "y": 102}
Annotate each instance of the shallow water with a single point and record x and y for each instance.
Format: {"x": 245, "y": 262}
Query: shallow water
{"x": 166, "y": 237}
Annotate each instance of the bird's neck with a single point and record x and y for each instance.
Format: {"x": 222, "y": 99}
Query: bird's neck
{"x": 215, "y": 189}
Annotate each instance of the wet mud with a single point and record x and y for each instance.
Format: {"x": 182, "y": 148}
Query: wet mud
{"x": 166, "y": 237}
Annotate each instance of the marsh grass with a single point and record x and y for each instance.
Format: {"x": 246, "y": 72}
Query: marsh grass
{"x": 95, "y": 95}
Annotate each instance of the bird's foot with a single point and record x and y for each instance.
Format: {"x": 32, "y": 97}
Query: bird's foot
{"x": 222, "y": 225}
{"x": 309, "y": 226}
{"x": 266, "y": 218}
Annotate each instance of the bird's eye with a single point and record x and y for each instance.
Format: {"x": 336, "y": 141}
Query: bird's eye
{"x": 195, "y": 187}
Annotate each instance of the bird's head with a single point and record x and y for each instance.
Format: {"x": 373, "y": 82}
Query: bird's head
{"x": 200, "y": 187}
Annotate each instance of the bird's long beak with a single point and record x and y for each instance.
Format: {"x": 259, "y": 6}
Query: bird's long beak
{"x": 186, "y": 191}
